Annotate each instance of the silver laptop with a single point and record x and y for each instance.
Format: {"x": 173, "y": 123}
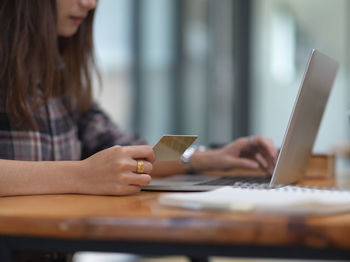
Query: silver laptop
{"x": 298, "y": 140}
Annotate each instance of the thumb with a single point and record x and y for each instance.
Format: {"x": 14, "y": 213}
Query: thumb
{"x": 245, "y": 163}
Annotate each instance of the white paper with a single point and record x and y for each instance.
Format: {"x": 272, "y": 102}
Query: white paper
{"x": 289, "y": 199}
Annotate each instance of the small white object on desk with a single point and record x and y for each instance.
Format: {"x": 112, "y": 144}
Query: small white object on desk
{"x": 288, "y": 200}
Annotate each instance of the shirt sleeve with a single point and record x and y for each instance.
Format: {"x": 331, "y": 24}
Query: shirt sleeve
{"x": 98, "y": 132}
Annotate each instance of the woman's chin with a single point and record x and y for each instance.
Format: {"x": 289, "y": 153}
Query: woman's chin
{"x": 67, "y": 32}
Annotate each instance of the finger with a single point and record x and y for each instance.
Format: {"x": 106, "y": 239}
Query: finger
{"x": 267, "y": 148}
{"x": 147, "y": 167}
{"x": 138, "y": 179}
{"x": 265, "y": 165}
{"x": 261, "y": 160}
{"x": 142, "y": 152}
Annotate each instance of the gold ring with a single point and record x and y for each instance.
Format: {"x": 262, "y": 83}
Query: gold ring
{"x": 140, "y": 167}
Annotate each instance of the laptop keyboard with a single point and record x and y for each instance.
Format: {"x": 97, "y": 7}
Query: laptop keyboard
{"x": 261, "y": 182}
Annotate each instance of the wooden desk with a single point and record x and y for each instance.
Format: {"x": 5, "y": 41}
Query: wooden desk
{"x": 138, "y": 224}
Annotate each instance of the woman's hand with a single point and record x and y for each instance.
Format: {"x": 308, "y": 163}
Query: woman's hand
{"x": 113, "y": 171}
{"x": 241, "y": 153}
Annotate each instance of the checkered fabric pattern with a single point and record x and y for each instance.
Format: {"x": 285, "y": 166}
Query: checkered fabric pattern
{"x": 63, "y": 135}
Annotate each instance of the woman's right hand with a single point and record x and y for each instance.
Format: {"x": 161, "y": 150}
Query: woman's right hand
{"x": 113, "y": 171}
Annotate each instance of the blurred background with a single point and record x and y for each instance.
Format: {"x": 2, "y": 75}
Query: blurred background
{"x": 218, "y": 69}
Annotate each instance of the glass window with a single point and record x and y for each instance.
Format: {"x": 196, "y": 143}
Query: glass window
{"x": 186, "y": 79}
{"x": 283, "y": 34}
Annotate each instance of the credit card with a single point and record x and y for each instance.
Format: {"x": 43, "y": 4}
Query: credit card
{"x": 171, "y": 147}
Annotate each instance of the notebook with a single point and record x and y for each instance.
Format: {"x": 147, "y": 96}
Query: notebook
{"x": 287, "y": 200}
{"x": 298, "y": 140}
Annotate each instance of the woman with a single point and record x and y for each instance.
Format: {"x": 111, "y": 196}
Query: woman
{"x": 53, "y": 137}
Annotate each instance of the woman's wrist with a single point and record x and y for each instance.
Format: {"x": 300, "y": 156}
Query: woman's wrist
{"x": 83, "y": 172}
{"x": 66, "y": 176}
{"x": 193, "y": 159}
{"x": 78, "y": 170}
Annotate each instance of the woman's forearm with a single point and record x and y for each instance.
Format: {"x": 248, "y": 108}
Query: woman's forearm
{"x": 38, "y": 177}
{"x": 108, "y": 172}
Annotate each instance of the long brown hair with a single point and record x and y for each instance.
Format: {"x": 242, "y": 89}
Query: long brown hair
{"x": 31, "y": 55}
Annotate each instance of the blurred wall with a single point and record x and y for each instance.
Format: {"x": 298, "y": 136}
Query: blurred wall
{"x": 284, "y": 32}
{"x": 186, "y": 56}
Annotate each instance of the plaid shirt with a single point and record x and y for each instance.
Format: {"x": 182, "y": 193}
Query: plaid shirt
{"x": 63, "y": 135}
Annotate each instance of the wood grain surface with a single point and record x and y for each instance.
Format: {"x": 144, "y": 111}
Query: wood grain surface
{"x": 140, "y": 217}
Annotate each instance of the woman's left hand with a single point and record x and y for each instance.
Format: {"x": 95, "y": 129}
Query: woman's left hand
{"x": 245, "y": 152}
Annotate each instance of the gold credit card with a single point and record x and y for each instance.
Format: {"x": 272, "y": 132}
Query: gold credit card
{"x": 171, "y": 147}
